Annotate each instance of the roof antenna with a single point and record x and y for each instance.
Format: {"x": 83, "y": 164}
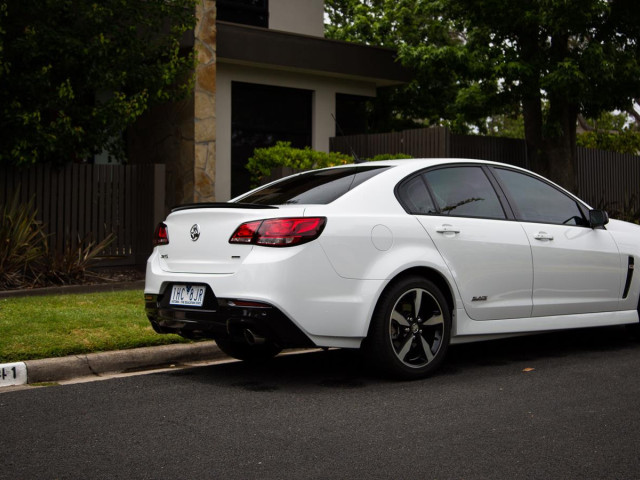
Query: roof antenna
{"x": 356, "y": 159}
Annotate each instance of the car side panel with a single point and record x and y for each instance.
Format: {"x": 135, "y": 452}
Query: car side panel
{"x": 467, "y": 329}
{"x": 626, "y": 237}
{"x": 576, "y": 270}
{"x": 490, "y": 261}
{"x": 371, "y": 247}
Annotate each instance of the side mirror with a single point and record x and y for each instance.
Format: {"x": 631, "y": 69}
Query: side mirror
{"x": 598, "y": 218}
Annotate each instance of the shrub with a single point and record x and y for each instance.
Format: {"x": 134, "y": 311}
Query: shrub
{"x": 626, "y": 211}
{"x": 625, "y": 141}
{"x": 73, "y": 266}
{"x": 23, "y": 244}
{"x": 388, "y": 156}
{"x": 25, "y": 258}
{"x": 282, "y": 154}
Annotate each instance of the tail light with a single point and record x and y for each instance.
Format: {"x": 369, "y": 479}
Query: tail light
{"x": 161, "y": 235}
{"x": 279, "y": 232}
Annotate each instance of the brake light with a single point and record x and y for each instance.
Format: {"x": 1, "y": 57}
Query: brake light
{"x": 161, "y": 235}
{"x": 279, "y": 232}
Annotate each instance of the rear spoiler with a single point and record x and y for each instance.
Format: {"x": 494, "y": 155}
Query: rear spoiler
{"x": 250, "y": 206}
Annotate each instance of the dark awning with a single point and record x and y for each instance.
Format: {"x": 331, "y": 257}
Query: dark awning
{"x": 260, "y": 46}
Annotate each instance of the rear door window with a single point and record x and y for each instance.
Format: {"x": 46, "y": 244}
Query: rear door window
{"x": 464, "y": 191}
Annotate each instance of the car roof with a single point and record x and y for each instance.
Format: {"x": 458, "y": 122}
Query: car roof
{"x": 428, "y": 162}
{"x": 403, "y": 167}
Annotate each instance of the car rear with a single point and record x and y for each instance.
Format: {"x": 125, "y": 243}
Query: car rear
{"x": 252, "y": 271}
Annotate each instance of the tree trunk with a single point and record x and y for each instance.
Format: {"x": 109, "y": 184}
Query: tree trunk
{"x": 561, "y": 158}
{"x": 551, "y": 140}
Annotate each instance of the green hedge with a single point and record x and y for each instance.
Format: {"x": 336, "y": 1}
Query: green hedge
{"x": 282, "y": 154}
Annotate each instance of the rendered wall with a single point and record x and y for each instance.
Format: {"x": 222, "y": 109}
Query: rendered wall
{"x": 297, "y": 16}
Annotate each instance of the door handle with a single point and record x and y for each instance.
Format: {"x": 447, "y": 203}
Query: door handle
{"x": 543, "y": 236}
{"x": 447, "y": 229}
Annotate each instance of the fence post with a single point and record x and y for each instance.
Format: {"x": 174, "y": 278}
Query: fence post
{"x": 159, "y": 209}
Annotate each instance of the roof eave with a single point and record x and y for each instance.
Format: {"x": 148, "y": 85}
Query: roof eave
{"x": 241, "y": 44}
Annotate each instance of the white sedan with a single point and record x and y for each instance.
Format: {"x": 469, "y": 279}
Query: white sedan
{"x": 400, "y": 258}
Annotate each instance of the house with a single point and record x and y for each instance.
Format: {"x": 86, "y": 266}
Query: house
{"x": 264, "y": 73}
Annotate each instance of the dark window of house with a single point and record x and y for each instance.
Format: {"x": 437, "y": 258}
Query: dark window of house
{"x": 247, "y": 12}
{"x": 351, "y": 114}
{"x": 262, "y": 115}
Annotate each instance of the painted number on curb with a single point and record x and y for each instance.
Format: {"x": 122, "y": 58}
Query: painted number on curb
{"x": 13, "y": 374}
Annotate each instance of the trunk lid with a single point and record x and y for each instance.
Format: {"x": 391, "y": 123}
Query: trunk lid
{"x": 210, "y": 251}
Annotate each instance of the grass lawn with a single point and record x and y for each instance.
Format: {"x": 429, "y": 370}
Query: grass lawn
{"x": 59, "y": 325}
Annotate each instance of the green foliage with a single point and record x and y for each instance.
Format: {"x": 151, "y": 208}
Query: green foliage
{"x": 626, "y": 141}
{"x": 611, "y": 131}
{"x": 22, "y": 244}
{"x": 3, "y": 13}
{"x": 25, "y": 258}
{"x": 422, "y": 37}
{"x": 388, "y": 156}
{"x": 554, "y": 59}
{"x": 485, "y": 56}
{"x": 612, "y": 121}
{"x": 282, "y": 154}
{"x": 502, "y": 125}
{"x": 74, "y": 74}
{"x": 73, "y": 266}
{"x": 626, "y": 210}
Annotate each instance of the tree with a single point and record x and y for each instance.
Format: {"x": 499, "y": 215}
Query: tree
{"x": 554, "y": 59}
{"x": 74, "y": 74}
{"x": 402, "y": 24}
{"x": 616, "y": 132}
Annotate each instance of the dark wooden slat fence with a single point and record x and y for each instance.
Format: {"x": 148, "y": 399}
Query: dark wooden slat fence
{"x": 609, "y": 180}
{"x": 79, "y": 203}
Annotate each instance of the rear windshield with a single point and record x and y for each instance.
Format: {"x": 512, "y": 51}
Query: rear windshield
{"x": 317, "y": 187}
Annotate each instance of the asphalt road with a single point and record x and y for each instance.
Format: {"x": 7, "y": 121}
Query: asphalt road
{"x": 576, "y": 415}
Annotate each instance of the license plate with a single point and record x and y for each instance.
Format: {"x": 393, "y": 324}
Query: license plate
{"x": 191, "y": 296}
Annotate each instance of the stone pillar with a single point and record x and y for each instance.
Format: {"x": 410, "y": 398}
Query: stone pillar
{"x": 182, "y": 134}
{"x": 204, "y": 168}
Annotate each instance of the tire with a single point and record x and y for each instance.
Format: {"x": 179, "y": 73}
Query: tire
{"x": 249, "y": 353}
{"x": 410, "y": 329}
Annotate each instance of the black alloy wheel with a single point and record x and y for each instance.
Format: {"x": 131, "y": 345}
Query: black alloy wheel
{"x": 410, "y": 329}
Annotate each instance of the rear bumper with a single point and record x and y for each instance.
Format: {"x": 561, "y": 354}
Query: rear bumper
{"x": 303, "y": 292}
{"x": 223, "y": 319}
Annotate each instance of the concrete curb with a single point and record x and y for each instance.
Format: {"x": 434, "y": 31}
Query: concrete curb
{"x": 120, "y": 361}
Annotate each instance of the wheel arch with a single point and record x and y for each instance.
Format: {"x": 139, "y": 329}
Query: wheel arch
{"x": 427, "y": 273}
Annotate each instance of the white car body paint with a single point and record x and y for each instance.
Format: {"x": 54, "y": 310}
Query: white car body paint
{"x": 329, "y": 287}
